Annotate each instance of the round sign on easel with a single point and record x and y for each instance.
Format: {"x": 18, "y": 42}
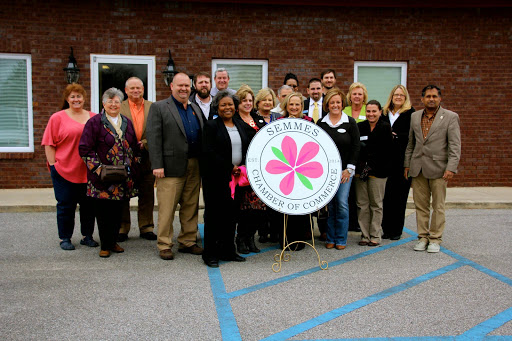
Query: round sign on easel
{"x": 293, "y": 166}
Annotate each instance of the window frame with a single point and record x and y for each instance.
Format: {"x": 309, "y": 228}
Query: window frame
{"x": 261, "y": 62}
{"x": 30, "y": 111}
{"x": 96, "y": 59}
{"x": 402, "y": 65}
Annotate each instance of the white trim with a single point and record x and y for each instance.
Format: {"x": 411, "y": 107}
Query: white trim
{"x": 402, "y": 65}
{"x": 30, "y": 121}
{"x": 262, "y": 62}
{"x": 121, "y": 59}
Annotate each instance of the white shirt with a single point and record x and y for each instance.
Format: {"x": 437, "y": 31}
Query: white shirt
{"x": 393, "y": 117}
{"x": 312, "y": 107}
{"x": 205, "y": 107}
{"x": 277, "y": 109}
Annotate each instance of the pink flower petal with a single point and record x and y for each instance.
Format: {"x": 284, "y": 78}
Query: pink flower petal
{"x": 286, "y": 185}
{"x": 307, "y": 152}
{"x": 289, "y": 148}
{"x": 311, "y": 170}
{"x": 277, "y": 167}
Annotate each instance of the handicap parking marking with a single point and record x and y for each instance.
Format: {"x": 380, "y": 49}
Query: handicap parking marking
{"x": 231, "y": 331}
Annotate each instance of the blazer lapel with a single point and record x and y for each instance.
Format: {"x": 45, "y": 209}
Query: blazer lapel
{"x": 146, "y": 112}
{"x": 176, "y": 114}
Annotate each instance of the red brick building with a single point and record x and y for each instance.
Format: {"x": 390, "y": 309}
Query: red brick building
{"x": 466, "y": 50}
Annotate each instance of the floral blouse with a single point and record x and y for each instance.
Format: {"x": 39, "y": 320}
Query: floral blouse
{"x": 100, "y": 145}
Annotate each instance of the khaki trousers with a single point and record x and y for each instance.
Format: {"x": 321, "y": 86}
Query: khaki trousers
{"x": 146, "y": 205}
{"x": 369, "y": 198}
{"x": 423, "y": 189}
{"x": 183, "y": 190}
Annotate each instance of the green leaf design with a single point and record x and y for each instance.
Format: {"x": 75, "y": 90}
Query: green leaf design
{"x": 279, "y": 154}
{"x": 305, "y": 181}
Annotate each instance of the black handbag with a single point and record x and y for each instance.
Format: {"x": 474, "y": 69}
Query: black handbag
{"x": 113, "y": 174}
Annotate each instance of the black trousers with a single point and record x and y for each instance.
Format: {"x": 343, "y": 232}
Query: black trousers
{"x": 219, "y": 220}
{"x": 395, "y": 203}
{"x": 108, "y": 215}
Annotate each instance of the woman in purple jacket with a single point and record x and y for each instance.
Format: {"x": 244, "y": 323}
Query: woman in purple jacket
{"x": 109, "y": 139}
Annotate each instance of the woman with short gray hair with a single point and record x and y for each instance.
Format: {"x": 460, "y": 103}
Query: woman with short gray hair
{"x": 109, "y": 140}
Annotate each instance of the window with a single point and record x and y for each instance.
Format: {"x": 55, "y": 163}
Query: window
{"x": 251, "y": 72}
{"x": 113, "y": 70}
{"x": 16, "y": 128}
{"x": 380, "y": 77}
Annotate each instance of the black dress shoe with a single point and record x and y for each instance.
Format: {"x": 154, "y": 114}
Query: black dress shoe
{"x": 395, "y": 237}
{"x": 386, "y": 236}
{"x": 233, "y": 258}
{"x": 122, "y": 237}
{"x": 148, "y": 236}
{"x": 211, "y": 262}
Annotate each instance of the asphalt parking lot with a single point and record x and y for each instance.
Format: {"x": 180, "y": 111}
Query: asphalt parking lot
{"x": 387, "y": 292}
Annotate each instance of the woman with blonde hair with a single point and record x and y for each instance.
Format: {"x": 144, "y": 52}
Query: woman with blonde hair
{"x": 264, "y": 102}
{"x": 397, "y": 112}
{"x": 252, "y": 209}
{"x": 345, "y": 134}
{"x": 357, "y": 98}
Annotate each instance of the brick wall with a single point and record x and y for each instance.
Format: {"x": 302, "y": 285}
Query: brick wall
{"x": 467, "y": 52}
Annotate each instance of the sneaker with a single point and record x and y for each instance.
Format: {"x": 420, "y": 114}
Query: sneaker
{"x": 65, "y": 244}
{"x": 89, "y": 242}
{"x": 420, "y": 246}
{"x": 433, "y": 248}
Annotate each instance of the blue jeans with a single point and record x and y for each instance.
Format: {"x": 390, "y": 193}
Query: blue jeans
{"x": 68, "y": 195}
{"x": 337, "y": 222}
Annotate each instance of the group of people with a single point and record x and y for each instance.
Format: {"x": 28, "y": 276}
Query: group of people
{"x": 201, "y": 137}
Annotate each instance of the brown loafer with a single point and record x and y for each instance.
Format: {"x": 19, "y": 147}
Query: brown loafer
{"x": 104, "y": 253}
{"x": 340, "y": 247}
{"x": 194, "y": 249}
{"x": 117, "y": 249}
{"x": 373, "y": 244}
{"x": 363, "y": 243}
{"x": 329, "y": 246}
{"x": 166, "y": 254}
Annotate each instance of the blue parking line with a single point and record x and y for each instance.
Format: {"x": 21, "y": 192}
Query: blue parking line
{"x": 315, "y": 269}
{"x": 230, "y": 330}
{"x": 333, "y": 314}
{"x": 488, "y": 326}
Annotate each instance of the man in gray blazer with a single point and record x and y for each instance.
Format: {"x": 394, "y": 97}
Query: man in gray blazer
{"x": 174, "y": 131}
{"x": 431, "y": 159}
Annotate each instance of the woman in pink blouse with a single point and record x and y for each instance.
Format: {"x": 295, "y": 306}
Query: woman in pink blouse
{"x": 68, "y": 171}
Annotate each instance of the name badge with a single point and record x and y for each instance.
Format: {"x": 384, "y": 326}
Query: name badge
{"x": 341, "y": 131}
{"x": 363, "y": 138}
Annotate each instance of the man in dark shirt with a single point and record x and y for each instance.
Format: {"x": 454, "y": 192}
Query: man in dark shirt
{"x": 174, "y": 142}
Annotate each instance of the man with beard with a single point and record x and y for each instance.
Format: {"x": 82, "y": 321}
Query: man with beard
{"x": 202, "y": 97}
{"x": 313, "y": 105}
{"x": 328, "y": 78}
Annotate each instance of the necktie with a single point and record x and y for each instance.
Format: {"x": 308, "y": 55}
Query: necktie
{"x": 315, "y": 113}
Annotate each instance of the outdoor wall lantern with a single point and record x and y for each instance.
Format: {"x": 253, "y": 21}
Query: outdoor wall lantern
{"x": 169, "y": 71}
{"x": 72, "y": 70}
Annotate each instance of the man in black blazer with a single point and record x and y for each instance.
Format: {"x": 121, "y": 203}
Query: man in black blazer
{"x": 174, "y": 132}
{"x": 315, "y": 100}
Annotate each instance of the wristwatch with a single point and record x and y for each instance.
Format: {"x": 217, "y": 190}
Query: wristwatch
{"x": 350, "y": 171}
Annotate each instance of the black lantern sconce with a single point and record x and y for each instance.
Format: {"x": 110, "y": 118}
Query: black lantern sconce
{"x": 72, "y": 70}
{"x": 169, "y": 71}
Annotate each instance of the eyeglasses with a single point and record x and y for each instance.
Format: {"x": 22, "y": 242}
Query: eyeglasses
{"x": 113, "y": 102}
{"x": 398, "y": 95}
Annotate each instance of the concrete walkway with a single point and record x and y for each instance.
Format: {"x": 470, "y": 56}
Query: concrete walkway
{"x": 43, "y": 199}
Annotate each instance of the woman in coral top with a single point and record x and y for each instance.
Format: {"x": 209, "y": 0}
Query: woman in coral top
{"x": 68, "y": 171}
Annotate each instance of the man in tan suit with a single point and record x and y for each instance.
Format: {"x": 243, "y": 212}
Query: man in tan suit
{"x": 431, "y": 159}
{"x": 136, "y": 109}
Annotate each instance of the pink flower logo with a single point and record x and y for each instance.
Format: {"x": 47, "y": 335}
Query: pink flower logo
{"x": 292, "y": 164}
